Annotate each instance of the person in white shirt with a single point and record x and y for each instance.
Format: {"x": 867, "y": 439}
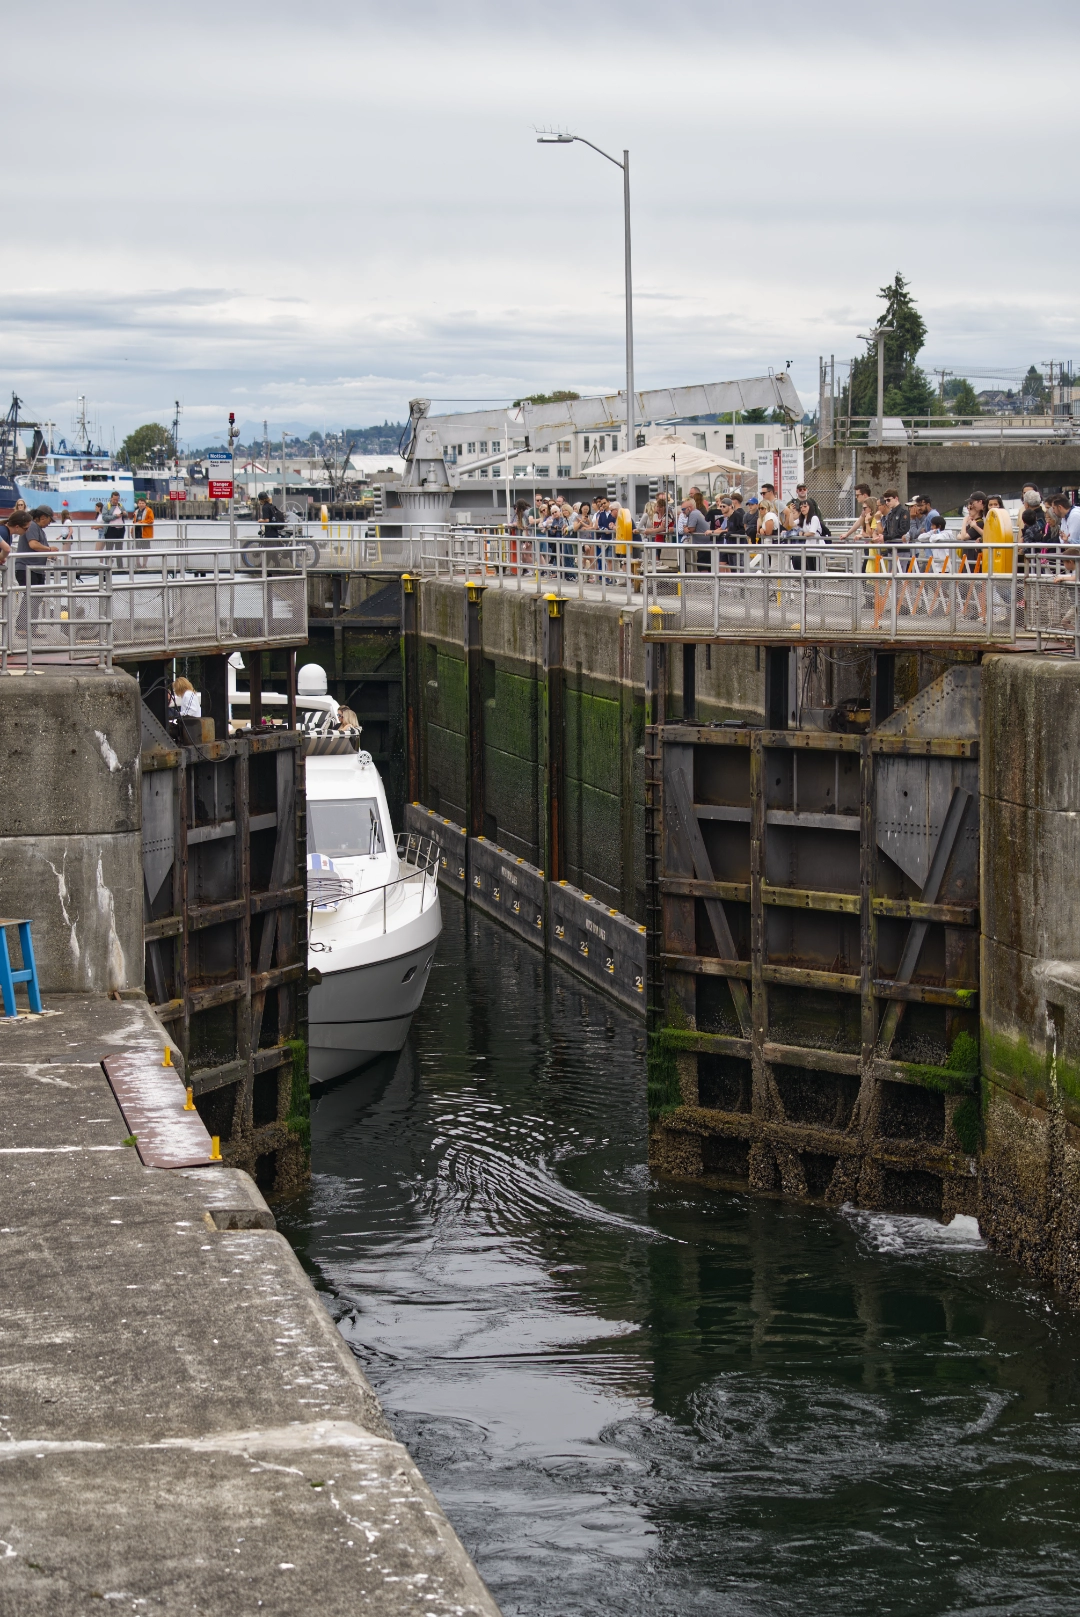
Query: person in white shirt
{"x": 1068, "y": 517}
{"x": 188, "y": 700}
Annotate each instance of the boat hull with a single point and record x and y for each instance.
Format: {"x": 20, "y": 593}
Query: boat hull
{"x": 365, "y": 1010}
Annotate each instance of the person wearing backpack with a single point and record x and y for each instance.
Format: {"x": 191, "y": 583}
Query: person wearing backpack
{"x": 272, "y": 519}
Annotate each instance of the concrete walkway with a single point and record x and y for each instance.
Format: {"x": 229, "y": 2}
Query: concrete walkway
{"x": 182, "y": 1429}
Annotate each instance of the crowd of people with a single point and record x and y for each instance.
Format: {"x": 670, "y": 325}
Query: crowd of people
{"x": 916, "y": 528}
{"x": 24, "y": 533}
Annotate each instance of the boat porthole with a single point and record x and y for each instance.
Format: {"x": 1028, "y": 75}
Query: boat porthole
{"x": 409, "y": 975}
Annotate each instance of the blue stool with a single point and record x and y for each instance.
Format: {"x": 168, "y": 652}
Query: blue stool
{"x": 27, "y": 975}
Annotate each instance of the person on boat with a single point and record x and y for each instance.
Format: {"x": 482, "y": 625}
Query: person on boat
{"x": 186, "y": 701}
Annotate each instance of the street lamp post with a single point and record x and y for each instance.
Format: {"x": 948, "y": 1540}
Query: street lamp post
{"x": 566, "y": 140}
{"x": 878, "y": 335}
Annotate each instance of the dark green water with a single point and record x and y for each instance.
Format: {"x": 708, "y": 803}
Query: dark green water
{"x": 632, "y": 1397}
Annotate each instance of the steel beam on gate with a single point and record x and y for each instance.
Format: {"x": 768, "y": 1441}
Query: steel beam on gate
{"x": 554, "y": 742}
{"x": 413, "y": 695}
{"x": 474, "y": 684}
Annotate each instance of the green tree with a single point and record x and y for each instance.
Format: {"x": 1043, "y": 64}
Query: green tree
{"x": 560, "y": 396}
{"x": 907, "y": 390}
{"x": 144, "y": 444}
{"x": 1034, "y": 389}
{"x": 961, "y": 398}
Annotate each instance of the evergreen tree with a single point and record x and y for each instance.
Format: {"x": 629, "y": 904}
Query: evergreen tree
{"x": 1034, "y": 390}
{"x": 961, "y": 397}
{"x": 907, "y": 390}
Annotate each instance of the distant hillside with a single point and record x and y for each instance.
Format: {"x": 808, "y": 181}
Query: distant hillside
{"x": 382, "y": 440}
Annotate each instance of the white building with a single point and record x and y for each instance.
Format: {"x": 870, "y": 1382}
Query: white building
{"x": 480, "y": 436}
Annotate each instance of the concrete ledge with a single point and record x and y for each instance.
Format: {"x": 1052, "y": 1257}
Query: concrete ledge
{"x": 185, "y": 1428}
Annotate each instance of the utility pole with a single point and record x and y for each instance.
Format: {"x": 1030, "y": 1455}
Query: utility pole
{"x": 941, "y": 385}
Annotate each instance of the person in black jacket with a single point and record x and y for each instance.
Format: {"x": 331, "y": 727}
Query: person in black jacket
{"x": 736, "y": 527}
{"x": 271, "y": 518}
{"x": 897, "y": 521}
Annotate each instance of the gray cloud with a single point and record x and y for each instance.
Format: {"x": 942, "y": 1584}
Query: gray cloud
{"x": 317, "y": 216}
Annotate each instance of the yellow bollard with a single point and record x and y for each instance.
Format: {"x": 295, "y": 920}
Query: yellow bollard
{"x": 215, "y": 1148}
{"x": 189, "y": 1104}
{"x": 166, "y": 1060}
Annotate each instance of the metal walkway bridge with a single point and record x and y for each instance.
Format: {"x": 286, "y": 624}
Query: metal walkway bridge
{"x": 90, "y": 607}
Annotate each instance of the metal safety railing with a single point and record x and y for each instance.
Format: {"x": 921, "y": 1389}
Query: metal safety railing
{"x": 92, "y": 608}
{"x": 999, "y": 595}
{"x": 371, "y": 905}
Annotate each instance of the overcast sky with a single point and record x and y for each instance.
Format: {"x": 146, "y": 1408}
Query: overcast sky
{"x": 313, "y": 217}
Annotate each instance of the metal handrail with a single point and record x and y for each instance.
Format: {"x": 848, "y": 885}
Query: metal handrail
{"x": 422, "y": 853}
{"x": 76, "y": 607}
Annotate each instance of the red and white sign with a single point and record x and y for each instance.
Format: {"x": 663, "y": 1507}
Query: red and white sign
{"x": 783, "y": 468}
{"x": 178, "y": 494}
{"x": 220, "y": 479}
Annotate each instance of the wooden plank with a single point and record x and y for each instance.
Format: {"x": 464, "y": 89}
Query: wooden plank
{"x": 802, "y": 1055}
{"x": 924, "y": 747}
{"x": 913, "y": 909}
{"x": 205, "y": 1079}
{"x": 925, "y": 994}
{"x": 170, "y": 926}
{"x": 262, "y": 981}
{"x": 204, "y": 999}
{"x": 267, "y": 1060}
{"x": 809, "y": 741}
{"x": 152, "y": 1097}
{"x": 722, "y": 811}
{"x": 707, "y": 965}
{"x": 285, "y": 899}
{"x": 705, "y": 735}
{"x": 688, "y": 887}
{"x": 812, "y": 822}
{"x": 796, "y": 898}
{"x": 722, "y": 1044}
{"x": 801, "y": 977}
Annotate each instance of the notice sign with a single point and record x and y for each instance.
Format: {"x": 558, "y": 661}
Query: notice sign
{"x": 783, "y": 468}
{"x": 220, "y": 478}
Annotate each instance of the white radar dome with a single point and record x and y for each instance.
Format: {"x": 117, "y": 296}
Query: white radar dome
{"x": 311, "y": 680}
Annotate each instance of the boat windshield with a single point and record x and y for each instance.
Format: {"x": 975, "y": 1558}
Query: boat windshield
{"x": 344, "y": 827}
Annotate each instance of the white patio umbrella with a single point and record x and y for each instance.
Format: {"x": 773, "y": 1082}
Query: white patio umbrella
{"x": 665, "y": 457}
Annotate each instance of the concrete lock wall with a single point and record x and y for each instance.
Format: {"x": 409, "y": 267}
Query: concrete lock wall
{"x": 1030, "y": 1035}
{"x": 70, "y": 842}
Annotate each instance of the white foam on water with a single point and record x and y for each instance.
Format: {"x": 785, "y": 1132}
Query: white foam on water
{"x": 911, "y": 1235}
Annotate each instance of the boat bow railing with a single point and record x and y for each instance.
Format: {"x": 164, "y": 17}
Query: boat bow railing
{"x": 420, "y": 855}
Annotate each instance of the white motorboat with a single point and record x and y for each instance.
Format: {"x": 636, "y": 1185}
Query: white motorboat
{"x": 373, "y": 914}
{"x": 373, "y": 901}
{"x": 373, "y": 897}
